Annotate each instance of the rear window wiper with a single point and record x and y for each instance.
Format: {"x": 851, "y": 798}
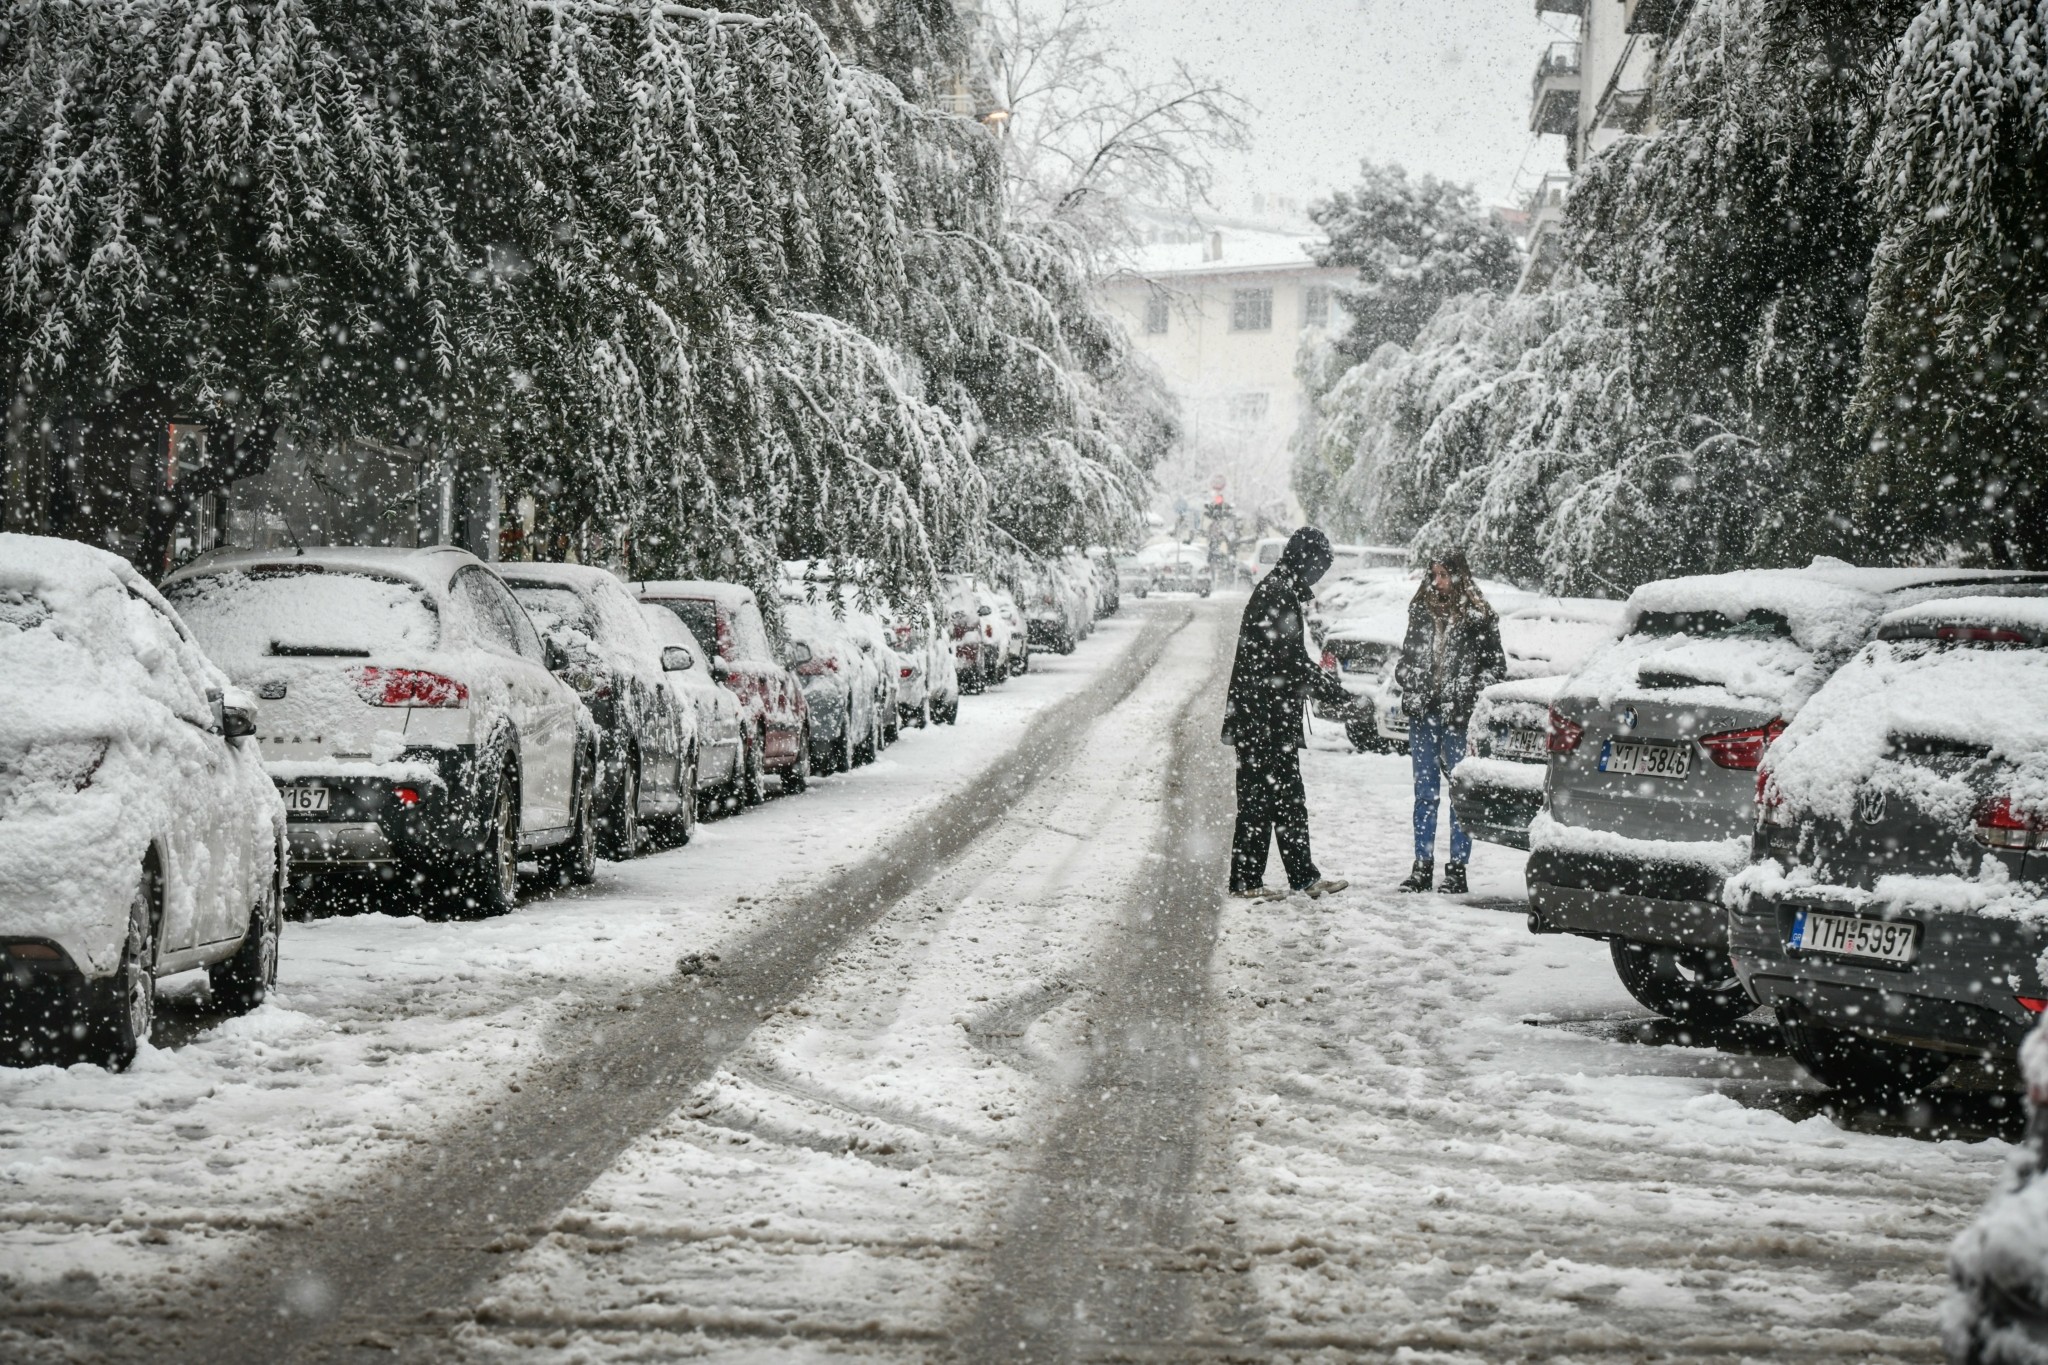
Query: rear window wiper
{"x": 284, "y": 651}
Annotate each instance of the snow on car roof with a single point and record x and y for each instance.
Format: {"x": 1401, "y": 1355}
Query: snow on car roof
{"x": 1383, "y": 627}
{"x": 2028, "y": 612}
{"x": 1831, "y": 606}
{"x": 569, "y": 575}
{"x": 33, "y": 563}
{"x": 431, "y": 565}
{"x": 710, "y": 588}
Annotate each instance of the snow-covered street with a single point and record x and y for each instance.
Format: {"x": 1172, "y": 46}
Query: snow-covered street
{"x": 984, "y": 1067}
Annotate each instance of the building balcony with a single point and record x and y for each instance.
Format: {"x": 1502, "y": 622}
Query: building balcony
{"x": 1571, "y": 7}
{"x": 1546, "y": 233}
{"x": 1554, "y": 94}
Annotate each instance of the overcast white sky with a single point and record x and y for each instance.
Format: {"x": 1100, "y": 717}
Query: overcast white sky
{"x": 1441, "y": 86}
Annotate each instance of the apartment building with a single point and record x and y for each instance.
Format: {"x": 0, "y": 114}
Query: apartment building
{"x": 1592, "y": 86}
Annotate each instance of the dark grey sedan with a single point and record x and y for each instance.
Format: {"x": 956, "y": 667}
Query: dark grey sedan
{"x": 1897, "y": 908}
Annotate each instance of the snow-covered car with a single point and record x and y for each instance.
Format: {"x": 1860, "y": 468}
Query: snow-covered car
{"x": 1352, "y": 558}
{"x": 1053, "y": 612}
{"x": 1185, "y": 568}
{"x": 1264, "y": 556}
{"x": 932, "y": 694}
{"x": 839, "y": 682}
{"x": 1896, "y": 911}
{"x": 961, "y": 611}
{"x": 411, "y": 718}
{"x": 892, "y": 670}
{"x": 1002, "y": 631}
{"x": 1998, "y": 1266}
{"x": 689, "y": 678}
{"x": 1498, "y": 787}
{"x": 775, "y": 725}
{"x": 648, "y": 748}
{"x": 1108, "y": 584}
{"x": 1134, "y": 576}
{"x": 1649, "y": 797}
{"x": 139, "y": 834}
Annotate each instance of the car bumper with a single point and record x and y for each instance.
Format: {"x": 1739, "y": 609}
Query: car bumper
{"x": 47, "y": 1004}
{"x": 1491, "y": 805}
{"x": 1960, "y": 994}
{"x": 368, "y": 822}
{"x": 1667, "y": 905}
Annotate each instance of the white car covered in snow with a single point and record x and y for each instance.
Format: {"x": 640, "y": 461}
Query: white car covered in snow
{"x": 411, "y": 719}
{"x": 139, "y": 835}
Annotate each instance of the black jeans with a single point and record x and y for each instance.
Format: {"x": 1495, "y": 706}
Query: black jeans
{"x": 1270, "y": 798}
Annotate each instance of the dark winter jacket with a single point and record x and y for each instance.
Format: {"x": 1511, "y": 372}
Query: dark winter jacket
{"x": 1273, "y": 673}
{"x": 1472, "y": 662}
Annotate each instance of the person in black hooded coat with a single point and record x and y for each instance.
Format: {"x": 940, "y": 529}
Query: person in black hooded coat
{"x": 1270, "y": 678}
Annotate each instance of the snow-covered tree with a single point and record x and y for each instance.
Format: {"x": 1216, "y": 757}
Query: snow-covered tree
{"x": 1414, "y": 242}
{"x": 1954, "y": 385}
{"x": 683, "y": 272}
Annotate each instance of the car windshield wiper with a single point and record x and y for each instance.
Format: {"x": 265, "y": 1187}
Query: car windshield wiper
{"x": 286, "y": 651}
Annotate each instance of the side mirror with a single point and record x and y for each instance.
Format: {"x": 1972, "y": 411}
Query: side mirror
{"x": 797, "y": 653}
{"x": 982, "y": 610}
{"x": 676, "y": 659}
{"x": 556, "y": 657}
{"x": 237, "y": 714}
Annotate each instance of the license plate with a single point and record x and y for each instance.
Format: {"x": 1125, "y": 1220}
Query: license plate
{"x": 304, "y": 799}
{"x": 1521, "y": 744}
{"x": 1645, "y": 758}
{"x": 1878, "y": 940}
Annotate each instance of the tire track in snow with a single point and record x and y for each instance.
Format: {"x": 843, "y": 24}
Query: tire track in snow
{"x": 382, "y": 1267}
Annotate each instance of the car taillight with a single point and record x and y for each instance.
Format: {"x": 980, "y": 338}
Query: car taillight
{"x": 408, "y": 687}
{"x": 1742, "y": 749}
{"x": 1562, "y": 734}
{"x": 407, "y": 796}
{"x": 989, "y": 631}
{"x": 2000, "y": 826}
{"x": 906, "y": 672}
{"x": 1329, "y": 662}
{"x": 1978, "y": 635}
{"x": 959, "y": 630}
{"x": 1770, "y": 802}
{"x": 2032, "y": 1004}
{"x": 813, "y": 667}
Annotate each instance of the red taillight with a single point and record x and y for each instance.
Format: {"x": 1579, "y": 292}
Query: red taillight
{"x": 2000, "y": 826}
{"x": 989, "y": 631}
{"x": 408, "y": 687}
{"x": 1563, "y": 734}
{"x": 1769, "y": 800}
{"x": 1329, "y": 662}
{"x": 906, "y": 672}
{"x": 406, "y": 796}
{"x": 2032, "y": 1004}
{"x": 960, "y": 630}
{"x": 1742, "y": 749}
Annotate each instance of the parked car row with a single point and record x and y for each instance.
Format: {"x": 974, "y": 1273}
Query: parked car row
{"x": 1821, "y": 790}
{"x": 178, "y": 761}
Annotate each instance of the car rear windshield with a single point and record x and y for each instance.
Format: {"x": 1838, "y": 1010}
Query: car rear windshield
{"x": 1270, "y": 554}
{"x": 1360, "y": 656}
{"x": 700, "y": 616}
{"x": 1758, "y": 623}
{"x": 21, "y": 610}
{"x": 553, "y": 608}
{"x": 305, "y": 610}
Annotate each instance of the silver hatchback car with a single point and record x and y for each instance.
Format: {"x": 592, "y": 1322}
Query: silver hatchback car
{"x": 1654, "y": 745}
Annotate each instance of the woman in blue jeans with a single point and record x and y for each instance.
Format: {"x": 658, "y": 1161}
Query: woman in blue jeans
{"x": 1451, "y": 653}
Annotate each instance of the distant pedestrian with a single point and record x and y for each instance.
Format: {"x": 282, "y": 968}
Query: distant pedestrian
{"x": 1452, "y": 653}
{"x": 1262, "y": 715}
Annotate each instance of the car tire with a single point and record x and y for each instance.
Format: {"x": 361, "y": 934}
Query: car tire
{"x": 952, "y": 716}
{"x": 245, "y": 980}
{"x": 126, "y": 1010}
{"x": 861, "y": 751}
{"x": 1023, "y": 663}
{"x": 892, "y": 723}
{"x": 1364, "y": 736}
{"x": 575, "y": 862}
{"x": 797, "y": 776}
{"x": 1689, "y": 985}
{"x": 1859, "y": 1066}
{"x": 623, "y": 834}
{"x": 753, "y": 778}
{"x": 486, "y": 884}
{"x": 680, "y": 827}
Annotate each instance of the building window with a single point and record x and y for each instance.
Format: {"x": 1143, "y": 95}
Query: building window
{"x": 1155, "y": 314}
{"x": 1249, "y": 408}
{"x": 1315, "y": 306}
{"x": 1251, "y": 310}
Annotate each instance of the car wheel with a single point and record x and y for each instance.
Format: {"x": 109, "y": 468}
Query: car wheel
{"x": 245, "y": 980}
{"x": 754, "y": 770}
{"x": 952, "y": 716}
{"x": 863, "y": 749}
{"x": 489, "y": 883}
{"x": 127, "y": 1009}
{"x": 1024, "y": 662}
{"x": 623, "y": 835}
{"x": 798, "y": 775}
{"x": 1691, "y": 985}
{"x": 1860, "y": 1066}
{"x": 1364, "y": 736}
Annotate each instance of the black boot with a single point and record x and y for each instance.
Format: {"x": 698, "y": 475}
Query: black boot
{"x": 1454, "y": 880}
{"x": 1420, "y": 876}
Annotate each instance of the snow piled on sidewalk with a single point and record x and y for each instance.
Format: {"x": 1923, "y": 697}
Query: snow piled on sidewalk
{"x": 384, "y": 1028}
{"x": 1414, "y": 1168}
